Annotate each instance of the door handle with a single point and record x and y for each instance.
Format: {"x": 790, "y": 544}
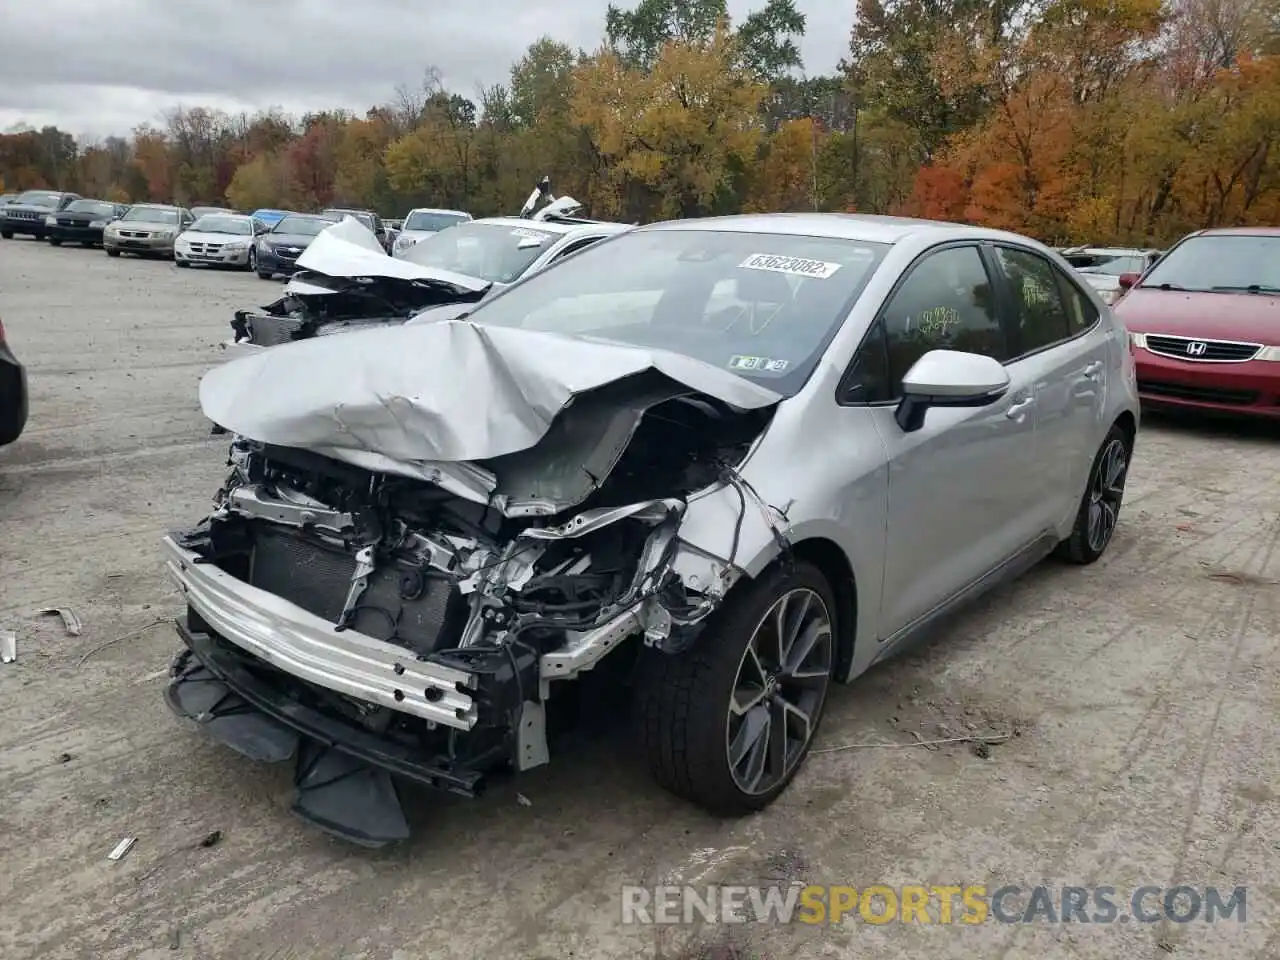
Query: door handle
{"x": 1018, "y": 409}
{"x": 1093, "y": 370}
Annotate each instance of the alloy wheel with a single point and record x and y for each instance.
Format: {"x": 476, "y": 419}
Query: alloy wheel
{"x": 1106, "y": 490}
{"x": 253, "y": 259}
{"x": 779, "y": 690}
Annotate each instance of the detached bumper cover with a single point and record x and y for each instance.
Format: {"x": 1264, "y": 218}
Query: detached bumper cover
{"x": 311, "y": 649}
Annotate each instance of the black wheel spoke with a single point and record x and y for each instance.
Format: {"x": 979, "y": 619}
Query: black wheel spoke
{"x": 1106, "y": 491}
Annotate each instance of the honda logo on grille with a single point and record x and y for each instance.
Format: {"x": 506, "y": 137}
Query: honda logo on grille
{"x": 1196, "y": 348}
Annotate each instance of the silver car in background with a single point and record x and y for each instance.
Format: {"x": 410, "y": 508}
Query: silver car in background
{"x": 733, "y": 460}
{"x": 1102, "y": 267}
{"x": 147, "y": 229}
{"x": 422, "y": 223}
{"x": 220, "y": 239}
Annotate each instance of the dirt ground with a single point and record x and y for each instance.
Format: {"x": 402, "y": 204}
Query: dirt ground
{"x": 1143, "y": 691}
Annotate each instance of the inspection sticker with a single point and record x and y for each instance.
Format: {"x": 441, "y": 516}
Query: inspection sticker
{"x": 794, "y": 266}
{"x": 761, "y": 364}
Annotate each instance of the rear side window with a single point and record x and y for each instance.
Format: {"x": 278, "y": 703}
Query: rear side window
{"x": 1040, "y": 315}
{"x": 1081, "y": 314}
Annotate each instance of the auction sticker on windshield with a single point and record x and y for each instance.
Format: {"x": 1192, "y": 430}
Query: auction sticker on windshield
{"x": 794, "y": 266}
{"x": 758, "y": 364}
{"x": 530, "y": 234}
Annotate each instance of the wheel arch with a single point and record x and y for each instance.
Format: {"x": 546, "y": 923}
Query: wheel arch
{"x": 1129, "y": 424}
{"x": 827, "y": 556}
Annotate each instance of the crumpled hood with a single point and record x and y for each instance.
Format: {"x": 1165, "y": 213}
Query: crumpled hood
{"x": 438, "y": 392}
{"x": 349, "y": 249}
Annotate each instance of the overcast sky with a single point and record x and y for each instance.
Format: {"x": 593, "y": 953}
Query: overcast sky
{"x": 95, "y": 67}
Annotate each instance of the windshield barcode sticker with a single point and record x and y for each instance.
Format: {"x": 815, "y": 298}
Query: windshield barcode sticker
{"x": 529, "y": 234}
{"x": 795, "y": 266}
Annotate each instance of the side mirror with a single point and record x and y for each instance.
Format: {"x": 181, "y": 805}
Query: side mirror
{"x": 1128, "y": 280}
{"x": 949, "y": 378}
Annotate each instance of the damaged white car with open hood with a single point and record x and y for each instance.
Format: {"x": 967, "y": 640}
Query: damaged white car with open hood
{"x": 346, "y": 281}
{"x": 718, "y": 465}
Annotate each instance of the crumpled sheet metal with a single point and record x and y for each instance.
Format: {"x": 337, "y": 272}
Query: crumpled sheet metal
{"x": 446, "y": 391}
{"x": 348, "y": 249}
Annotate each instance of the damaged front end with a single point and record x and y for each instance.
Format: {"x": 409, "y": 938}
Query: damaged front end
{"x": 346, "y": 281}
{"x": 370, "y": 623}
{"x": 316, "y": 305}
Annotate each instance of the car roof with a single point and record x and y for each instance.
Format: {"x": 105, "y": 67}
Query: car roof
{"x": 1109, "y": 251}
{"x": 460, "y": 213}
{"x": 868, "y": 228}
{"x": 1239, "y": 232}
{"x": 157, "y": 206}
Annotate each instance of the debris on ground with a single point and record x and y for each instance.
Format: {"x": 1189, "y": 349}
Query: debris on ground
{"x": 64, "y": 758}
{"x": 126, "y": 636}
{"x": 175, "y": 938}
{"x": 69, "y": 619}
{"x": 523, "y": 800}
{"x": 212, "y": 839}
{"x": 983, "y": 739}
{"x": 1240, "y": 578}
{"x": 122, "y": 848}
{"x": 8, "y": 646}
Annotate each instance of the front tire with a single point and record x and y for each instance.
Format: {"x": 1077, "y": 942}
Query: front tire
{"x": 6, "y": 234}
{"x": 1100, "y": 506}
{"x": 251, "y": 264}
{"x": 54, "y": 243}
{"x": 264, "y": 275}
{"x": 112, "y": 252}
{"x": 180, "y": 263}
{"x": 728, "y": 723}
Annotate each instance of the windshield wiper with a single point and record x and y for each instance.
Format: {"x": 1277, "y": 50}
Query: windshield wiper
{"x": 1164, "y": 286}
{"x": 1250, "y": 288}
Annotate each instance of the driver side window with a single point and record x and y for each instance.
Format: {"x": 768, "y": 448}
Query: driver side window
{"x": 946, "y": 302}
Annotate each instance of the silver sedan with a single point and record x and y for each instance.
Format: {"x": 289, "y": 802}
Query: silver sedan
{"x": 737, "y": 459}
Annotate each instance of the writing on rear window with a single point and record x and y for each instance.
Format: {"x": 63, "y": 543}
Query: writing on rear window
{"x": 793, "y": 266}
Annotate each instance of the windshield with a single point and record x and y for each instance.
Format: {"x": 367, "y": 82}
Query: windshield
{"x": 221, "y": 223}
{"x": 97, "y": 208}
{"x": 1224, "y": 263}
{"x": 39, "y": 198}
{"x": 1114, "y": 266}
{"x": 302, "y": 226}
{"x": 763, "y": 306}
{"x": 489, "y": 251}
{"x": 152, "y": 214}
{"x": 432, "y": 220}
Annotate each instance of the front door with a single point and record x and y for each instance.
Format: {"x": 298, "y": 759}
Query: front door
{"x": 960, "y": 500}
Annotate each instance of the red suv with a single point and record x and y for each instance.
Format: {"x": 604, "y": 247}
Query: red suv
{"x": 1204, "y": 323}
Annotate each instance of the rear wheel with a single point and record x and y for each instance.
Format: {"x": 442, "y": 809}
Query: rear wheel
{"x": 1100, "y": 507}
{"x": 6, "y": 234}
{"x": 728, "y": 723}
{"x": 54, "y": 242}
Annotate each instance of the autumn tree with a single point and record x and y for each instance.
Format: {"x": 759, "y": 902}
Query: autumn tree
{"x": 265, "y": 181}
{"x": 683, "y": 132}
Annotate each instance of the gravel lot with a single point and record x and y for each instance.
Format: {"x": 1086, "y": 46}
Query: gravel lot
{"x": 1144, "y": 691}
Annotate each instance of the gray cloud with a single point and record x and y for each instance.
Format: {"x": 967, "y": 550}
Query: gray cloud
{"x": 95, "y": 67}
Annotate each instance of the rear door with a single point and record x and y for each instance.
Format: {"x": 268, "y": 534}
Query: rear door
{"x": 1061, "y": 348}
